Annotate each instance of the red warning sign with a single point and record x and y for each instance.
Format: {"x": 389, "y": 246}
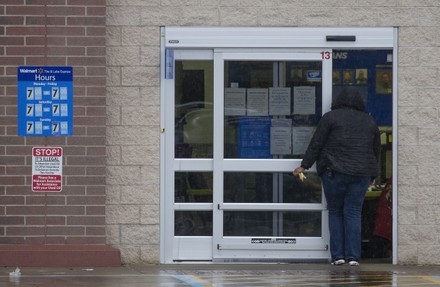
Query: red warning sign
{"x": 47, "y": 169}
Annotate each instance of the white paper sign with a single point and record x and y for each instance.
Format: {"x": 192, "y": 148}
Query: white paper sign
{"x": 280, "y": 142}
{"x": 257, "y": 102}
{"x": 279, "y": 101}
{"x": 304, "y": 100}
{"x": 235, "y": 101}
{"x": 301, "y": 137}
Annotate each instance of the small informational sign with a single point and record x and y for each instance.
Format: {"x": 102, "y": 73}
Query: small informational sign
{"x": 45, "y": 101}
{"x": 304, "y": 100}
{"x": 254, "y": 137}
{"x": 301, "y": 137}
{"x": 281, "y": 136}
{"x": 47, "y": 169}
{"x": 314, "y": 76}
{"x": 279, "y": 101}
{"x": 257, "y": 102}
{"x": 235, "y": 101}
{"x": 280, "y": 142}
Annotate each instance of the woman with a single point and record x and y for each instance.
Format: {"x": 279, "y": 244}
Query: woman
{"x": 345, "y": 147}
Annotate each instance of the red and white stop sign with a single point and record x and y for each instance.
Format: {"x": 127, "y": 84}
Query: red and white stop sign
{"x": 47, "y": 169}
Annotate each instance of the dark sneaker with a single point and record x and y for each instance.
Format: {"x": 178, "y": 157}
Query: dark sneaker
{"x": 338, "y": 262}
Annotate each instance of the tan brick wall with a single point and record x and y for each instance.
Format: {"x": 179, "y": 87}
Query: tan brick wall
{"x": 54, "y": 33}
{"x": 133, "y": 95}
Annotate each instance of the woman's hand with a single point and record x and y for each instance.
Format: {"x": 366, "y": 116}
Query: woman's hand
{"x": 299, "y": 172}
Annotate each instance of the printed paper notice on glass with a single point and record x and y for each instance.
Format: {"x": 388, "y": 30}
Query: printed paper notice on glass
{"x": 279, "y": 101}
{"x": 257, "y": 102}
{"x": 280, "y": 142}
{"x": 301, "y": 137}
{"x": 235, "y": 101}
{"x": 304, "y": 100}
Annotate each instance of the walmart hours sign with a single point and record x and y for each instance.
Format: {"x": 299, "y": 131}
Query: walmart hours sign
{"x": 45, "y": 101}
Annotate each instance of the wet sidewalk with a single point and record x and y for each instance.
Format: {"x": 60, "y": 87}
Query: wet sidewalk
{"x": 218, "y": 275}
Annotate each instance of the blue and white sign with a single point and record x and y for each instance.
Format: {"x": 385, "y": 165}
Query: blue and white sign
{"x": 254, "y": 137}
{"x": 45, "y": 101}
{"x": 314, "y": 76}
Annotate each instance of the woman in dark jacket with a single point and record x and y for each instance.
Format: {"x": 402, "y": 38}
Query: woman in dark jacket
{"x": 345, "y": 147}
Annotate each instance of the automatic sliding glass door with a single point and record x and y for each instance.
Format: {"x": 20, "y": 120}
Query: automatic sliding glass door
{"x": 271, "y": 103}
{"x": 238, "y": 108}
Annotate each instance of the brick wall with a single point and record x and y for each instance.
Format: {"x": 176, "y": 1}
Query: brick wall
{"x": 54, "y": 33}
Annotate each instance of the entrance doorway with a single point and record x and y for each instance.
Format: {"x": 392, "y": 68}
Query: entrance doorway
{"x": 236, "y": 123}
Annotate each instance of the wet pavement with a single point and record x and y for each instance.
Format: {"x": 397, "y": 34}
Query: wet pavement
{"x": 218, "y": 275}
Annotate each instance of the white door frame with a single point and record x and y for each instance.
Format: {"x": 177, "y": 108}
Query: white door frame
{"x": 209, "y": 38}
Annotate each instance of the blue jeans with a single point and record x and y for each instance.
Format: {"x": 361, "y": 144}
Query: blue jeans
{"x": 345, "y": 195}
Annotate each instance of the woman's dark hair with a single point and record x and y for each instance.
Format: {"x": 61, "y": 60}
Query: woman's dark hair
{"x": 349, "y": 97}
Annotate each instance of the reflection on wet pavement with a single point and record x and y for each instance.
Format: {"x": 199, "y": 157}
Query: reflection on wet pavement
{"x": 227, "y": 275}
{"x": 310, "y": 280}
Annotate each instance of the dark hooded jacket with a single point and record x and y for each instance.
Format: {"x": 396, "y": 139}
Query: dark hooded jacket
{"x": 346, "y": 140}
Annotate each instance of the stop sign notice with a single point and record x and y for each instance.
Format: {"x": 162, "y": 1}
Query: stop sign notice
{"x": 47, "y": 169}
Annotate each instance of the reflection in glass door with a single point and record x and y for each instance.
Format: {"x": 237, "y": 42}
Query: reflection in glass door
{"x": 272, "y": 104}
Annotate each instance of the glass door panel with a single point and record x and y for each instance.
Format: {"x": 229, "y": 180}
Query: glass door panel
{"x": 248, "y": 188}
{"x": 260, "y": 187}
{"x": 272, "y": 104}
{"x": 271, "y": 108}
{"x": 193, "y": 109}
{"x": 264, "y": 223}
{"x": 193, "y": 187}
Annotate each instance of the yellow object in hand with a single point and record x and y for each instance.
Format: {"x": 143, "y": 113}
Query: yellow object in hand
{"x": 301, "y": 176}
